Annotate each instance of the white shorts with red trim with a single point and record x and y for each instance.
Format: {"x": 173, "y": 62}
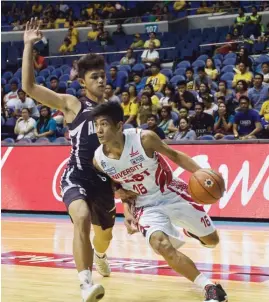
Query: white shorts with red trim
{"x": 168, "y": 215}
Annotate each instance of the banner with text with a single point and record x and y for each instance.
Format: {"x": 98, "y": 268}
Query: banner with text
{"x": 31, "y": 177}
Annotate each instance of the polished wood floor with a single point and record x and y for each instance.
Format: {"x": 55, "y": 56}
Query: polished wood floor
{"x": 37, "y": 264}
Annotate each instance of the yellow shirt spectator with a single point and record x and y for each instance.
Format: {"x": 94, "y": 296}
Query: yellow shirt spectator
{"x": 109, "y": 8}
{"x": 58, "y": 22}
{"x": 265, "y": 111}
{"x": 157, "y": 43}
{"x": 92, "y": 35}
{"x": 73, "y": 32}
{"x": 212, "y": 73}
{"x": 155, "y": 101}
{"x": 37, "y": 8}
{"x": 247, "y": 76}
{"x": 157, "y": 81}
{"x": 66, "y": 46}
{"x": 129, "y": 108}
{"x": 178, "y": 5}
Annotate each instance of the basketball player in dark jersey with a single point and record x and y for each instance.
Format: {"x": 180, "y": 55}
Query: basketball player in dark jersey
{"x": 87, "y": 194}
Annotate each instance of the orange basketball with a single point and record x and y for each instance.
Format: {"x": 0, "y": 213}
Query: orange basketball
{"x": 206, "y": 186}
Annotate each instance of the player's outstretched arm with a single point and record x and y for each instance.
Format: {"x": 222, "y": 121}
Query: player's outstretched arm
{"x": 63, "y": 102}
{"x": 152, "y": 143}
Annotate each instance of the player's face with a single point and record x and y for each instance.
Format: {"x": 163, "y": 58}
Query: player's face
{"x": 106, "y": 130}
{"x": 95, "y": 81}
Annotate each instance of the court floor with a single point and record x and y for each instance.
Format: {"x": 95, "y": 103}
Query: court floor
{"x": 37, "y": 263}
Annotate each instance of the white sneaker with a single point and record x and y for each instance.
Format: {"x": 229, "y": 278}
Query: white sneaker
{"x": 92, "y": 293}
{"x": 102, "y": 265}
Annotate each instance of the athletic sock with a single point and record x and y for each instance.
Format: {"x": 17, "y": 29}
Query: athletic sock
{"x": 85, "y": 277}
{"x": 202, "y": 281}
{"x": 100, "y": 255}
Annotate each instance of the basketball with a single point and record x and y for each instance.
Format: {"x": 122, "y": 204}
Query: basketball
{"x": 206, "y": 186}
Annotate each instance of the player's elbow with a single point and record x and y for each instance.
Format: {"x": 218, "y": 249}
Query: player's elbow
{"x": 27, "y": 87}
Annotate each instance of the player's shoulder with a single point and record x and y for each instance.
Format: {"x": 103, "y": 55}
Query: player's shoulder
{"x": 131, "y": 131}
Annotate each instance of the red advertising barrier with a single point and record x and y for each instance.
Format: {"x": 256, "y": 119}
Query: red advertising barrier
{"x": 31, "y": 176}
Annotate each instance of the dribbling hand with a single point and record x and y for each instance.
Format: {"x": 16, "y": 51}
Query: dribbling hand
{"x": 32, "y": 32}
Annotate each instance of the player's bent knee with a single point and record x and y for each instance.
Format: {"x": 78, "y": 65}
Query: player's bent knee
{"x": 80, "y": 214}
{"x": 102, "y": 235}
{"x": 212, "y": 240}
{"x": 162, "y": 245}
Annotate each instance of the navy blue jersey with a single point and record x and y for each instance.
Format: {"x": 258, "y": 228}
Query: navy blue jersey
{"x": 83, "y": 137}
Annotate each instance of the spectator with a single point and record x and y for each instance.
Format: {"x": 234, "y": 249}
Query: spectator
{"x": 36, "y": 9}
{"x": 228, "y": 46}
{"x": 184, "y": 132}
{"x": 116, "y": 81}
{"x": 184, "y": 98}
{"x": 129, "y": 58}
{"x": 39, "y": 61}
{"x": 254, "y": 23}
{"x": 119, "y": 31}
{"x": 90, "y": 10}
{"x": 74, "y": 71}
{"x": 138, "y": 42}
{"x": 28, "y": 103}
{"x": 189, "y": 78}
{"x": 63, "y": 8}
{"x": 18, "y": 25}
{"x": 13, "y": 94}
{"x": 104, "y": 39}
{"x": 241, "y": 89}
{"x": 83, "y": 92}
{"x": 265, "y": 72}
{"x": 108, "y": 10}
{"x": 133, "y": 93}
{"x": 66, "y": 46}
{"x": 109, "y": 95}
{"x": 184, "y": 112}
{"x": 152, "y": 38}
{"x": 224, "y": 91}
{"x": 259, "y": 93}
{"x": 130, "y": 109}
{"x": 166, "y": 122}
{"x": 202, "y": 123}
{"x": 209, "y": 106}
{"x": 46, "y": 126}
{"x": 169, "y": 96}
{"x": 139, "y": 84}
{"x": 235, "y": 34}
{"x": 54, "y": 85}
{"x": 243, "y": 56}
{"x": 60, "y": 20}
{"x": 210, "y": 69}
{"x": 202, "y": 78}
{"x": 73, "y": 35}
{"x": 25, "y": 125}
{"x": 155, "y": 100}
{"x": 179, "y": 5}
{"x": 152, "y": 124}
{"x": 146, "y": 109}
{"x": 150, "y": 55}
{"x": 204, "y": 92}
{"x": 166, "y": 15}
{"x": 204, "y": 9}
{"x": 93, "y": 34}
{"x": 157, "y": 80}
{"x": 247, "y": 122}
{"x": 223, "y": 122}
{"x": 240, "y": 20}
{"x": 243, "y": 75}
{"x": 264, "y": 113}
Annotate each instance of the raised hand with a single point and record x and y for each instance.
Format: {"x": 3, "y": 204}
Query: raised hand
{"x": 32, "y": 33}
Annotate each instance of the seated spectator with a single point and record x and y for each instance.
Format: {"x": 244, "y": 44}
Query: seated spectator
{"x": 155, "y": 100}
{"x": 157, "y": 80}
{"x": 204, "y": 92}
{"x": 133, "y": 93}
{"x": 241, "y": 20}
{"x": 120, "y": 9}
{"x": 109, "y": 95}
{"x": 105, "y": 39}
{"x": 264, "y": 113}
{"x": 202, "y": 123}
{"x": 247, "y": 122}
{"x": 108, "y": 10}
{"x": 259, "y": 93}
{"x": 184, "y": 112}
{"x": 235, "y": 34}
{"x": 13, "y": 94}
{"x": 243, "y": 75}
{"x": 90, "y": 10}
{"x": 93, "y": 34}
{"x": 184, "y": 98}
{"x": 139, "y": 84}
{"x": 152, "y": 38}
{"x": 66, "y": 46}
{"x": 152, "y": 124}
{"x": 228, "y": 46}
{"x": 145, "y": 109}
{"x": 184, "y": 132}
{"x": 54, "y": 85}
{"x": 179, "y": 5}
{"x": 46, "y": 125}
{"x": 243, "y": 56}
{"x": 138, "y": 42}
{"x": 129, "y": 58}
{"x": 223, "y": 122}
{"x": 25, "y": 125}
{"x": 18, "y": 25}
{"x": 189, "y": 75}
{"x": 116, "y": 81}
{"x": 119, "y": 31}
{"x": 209, "y": 106}
{"x": 150, "y": 55}
{"x": 265, "y": 72}
{"x": 28, "y": 103}
{"x": 39, "y": 61}
{"x": 60, "y": 20}
{"x": 166, "y": 15}
{"x": 73, "y": 34}
{"x": 254, "y": 23}
{"x": 130, "y": 109}
{"x": 224, "y": 91}
{"x": 202, "y": 78}
{"x": 36, "y": 9}
{"x": 166, "y": 122}
{"x": 169, "y": 96}
{"x": 210, "y": 69}
{"x": 204, "y": 9}
{"x": 241, "y": 89}
{"x": 74, "y": 71}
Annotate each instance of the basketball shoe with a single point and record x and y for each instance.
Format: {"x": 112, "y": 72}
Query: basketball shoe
{"x": 215, "y": 293}
{"x": 92, "y": 292}
{"x": 102, "y": 265}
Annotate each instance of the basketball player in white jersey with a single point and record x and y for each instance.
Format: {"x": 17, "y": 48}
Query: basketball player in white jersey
{"x": 134, "y": 159}
{"x": 87, "y": 194}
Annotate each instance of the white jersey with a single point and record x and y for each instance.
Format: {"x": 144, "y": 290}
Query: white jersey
{"x": 151, "y": 178}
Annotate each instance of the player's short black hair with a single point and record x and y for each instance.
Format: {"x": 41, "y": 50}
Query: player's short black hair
{"x": 112, "y": 110}
{"x": 90, "y": 62}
